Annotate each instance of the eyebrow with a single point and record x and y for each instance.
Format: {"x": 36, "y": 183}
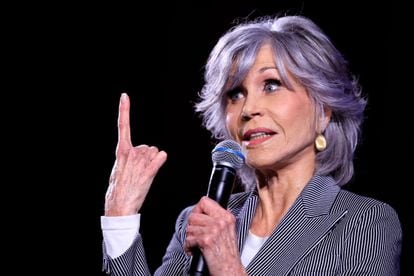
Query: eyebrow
{"x": 261, "y": 70}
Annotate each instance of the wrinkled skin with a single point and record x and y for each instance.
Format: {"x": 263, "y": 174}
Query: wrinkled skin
{"x": 133, "y": 171}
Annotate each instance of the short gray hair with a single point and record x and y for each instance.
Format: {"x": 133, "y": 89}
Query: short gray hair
{"x": 301, "y": 48}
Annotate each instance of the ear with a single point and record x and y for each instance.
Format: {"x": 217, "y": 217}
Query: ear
{"x": 324, "y": 121}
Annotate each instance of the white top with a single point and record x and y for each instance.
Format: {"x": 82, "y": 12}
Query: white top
{"x": 251, "y": 246}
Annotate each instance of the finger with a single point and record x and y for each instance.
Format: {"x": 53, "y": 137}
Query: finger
{"x": 156, "y": 163}
{"x": 198, "y": 208}
{"x": 199, "y": 219}
{"x": 209, "y": 206}
{"x": 122, "y": 158}
{"x": 189, "y": 246}
{"x": 201, "y": 237}
{"x": 145, "y": 162}
{"x": 124, "y": 132}
{"x": 153, "y": 151}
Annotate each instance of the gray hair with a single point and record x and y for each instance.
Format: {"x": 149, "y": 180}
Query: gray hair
{"x": 301, "y": 48}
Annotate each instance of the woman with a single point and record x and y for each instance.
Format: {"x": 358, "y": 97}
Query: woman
{"x": 279, "y": 88}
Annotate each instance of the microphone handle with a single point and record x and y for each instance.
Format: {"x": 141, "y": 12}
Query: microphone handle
{"x": 198, "y": 266}
{"x": 220, "y": 188}
{"x": 221, "y": 184}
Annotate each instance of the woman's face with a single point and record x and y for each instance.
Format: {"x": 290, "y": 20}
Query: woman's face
{"x": 275, "y": 126}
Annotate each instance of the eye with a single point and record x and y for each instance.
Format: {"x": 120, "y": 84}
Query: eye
{"x": 271, "y": 85}
{"x": 235, "y": 94}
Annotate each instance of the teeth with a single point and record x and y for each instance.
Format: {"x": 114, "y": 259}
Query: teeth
{"x": 258, "y": 135}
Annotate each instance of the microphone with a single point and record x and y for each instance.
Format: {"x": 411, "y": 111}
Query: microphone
{"x": 227, "y": 158}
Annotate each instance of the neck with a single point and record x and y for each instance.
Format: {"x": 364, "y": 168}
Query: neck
{"x": 277, "y": 193}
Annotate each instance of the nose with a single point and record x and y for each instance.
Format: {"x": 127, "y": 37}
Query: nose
{"x": 251, "y": 108}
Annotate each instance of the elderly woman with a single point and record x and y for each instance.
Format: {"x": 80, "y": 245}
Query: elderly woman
{"x": 280, "y": 89}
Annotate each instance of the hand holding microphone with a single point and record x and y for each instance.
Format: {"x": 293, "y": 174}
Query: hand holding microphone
{"x": 207, "y": 219}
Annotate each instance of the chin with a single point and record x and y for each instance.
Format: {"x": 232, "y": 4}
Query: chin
{"x": 259, "y": 163}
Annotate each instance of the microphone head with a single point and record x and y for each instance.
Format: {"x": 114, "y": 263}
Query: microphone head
{"x": 228, "y": 153}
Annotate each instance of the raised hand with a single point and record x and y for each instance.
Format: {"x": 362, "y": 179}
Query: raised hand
{"x": 133, "y": 171}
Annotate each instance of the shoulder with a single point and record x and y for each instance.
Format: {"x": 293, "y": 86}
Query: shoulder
{"x": 366, "y": 210}
{"x": 355, "y": 202}
{"x": 371, "y": 233}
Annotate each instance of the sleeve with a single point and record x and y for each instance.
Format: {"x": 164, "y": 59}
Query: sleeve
{"x": 133, "y": 262}
{"x": 373, "y": 246}
{"x": 123, "y": 250}
{"x": 175, "y": 260}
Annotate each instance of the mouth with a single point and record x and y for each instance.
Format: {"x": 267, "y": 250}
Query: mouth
{"x": 257, "y": 136}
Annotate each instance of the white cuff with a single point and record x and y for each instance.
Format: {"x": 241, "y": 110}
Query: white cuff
{"x": 119, "y": 233}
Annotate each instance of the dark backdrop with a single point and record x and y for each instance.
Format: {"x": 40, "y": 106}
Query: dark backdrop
{"x": 157, "y": 55}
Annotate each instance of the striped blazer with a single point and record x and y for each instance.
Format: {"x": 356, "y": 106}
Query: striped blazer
{"x": 327, "y": 231}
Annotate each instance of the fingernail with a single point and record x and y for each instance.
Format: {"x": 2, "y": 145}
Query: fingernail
{"x": 123, "y": 97}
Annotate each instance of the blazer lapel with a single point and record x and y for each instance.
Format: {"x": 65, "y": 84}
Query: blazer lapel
{"x": 245, "y": 217}
{"x": 305, "y": 224}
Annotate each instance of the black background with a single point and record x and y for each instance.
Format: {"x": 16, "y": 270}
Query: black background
{"x": 87, "y": 55}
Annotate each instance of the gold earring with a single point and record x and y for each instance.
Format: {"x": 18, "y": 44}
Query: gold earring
{"x": 320, "y": 142}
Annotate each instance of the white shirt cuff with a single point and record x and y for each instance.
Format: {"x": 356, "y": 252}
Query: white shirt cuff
{"x": 119, "y": 233}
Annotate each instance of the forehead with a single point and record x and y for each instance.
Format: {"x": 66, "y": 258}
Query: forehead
{"x": 265, "y": 55}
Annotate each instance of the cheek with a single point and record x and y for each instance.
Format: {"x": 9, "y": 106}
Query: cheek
{"x": 231, "y": 124}
{"x": 304, "y": 125}
{"x": 299, "y": 120}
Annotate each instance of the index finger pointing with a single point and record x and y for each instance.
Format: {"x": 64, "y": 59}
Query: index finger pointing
{"x": 124, "y": 132}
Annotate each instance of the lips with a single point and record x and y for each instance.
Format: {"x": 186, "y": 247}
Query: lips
{"x": 257, "y": 135}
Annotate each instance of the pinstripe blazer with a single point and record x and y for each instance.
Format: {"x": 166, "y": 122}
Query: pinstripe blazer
{"x": 327, "y": 231}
